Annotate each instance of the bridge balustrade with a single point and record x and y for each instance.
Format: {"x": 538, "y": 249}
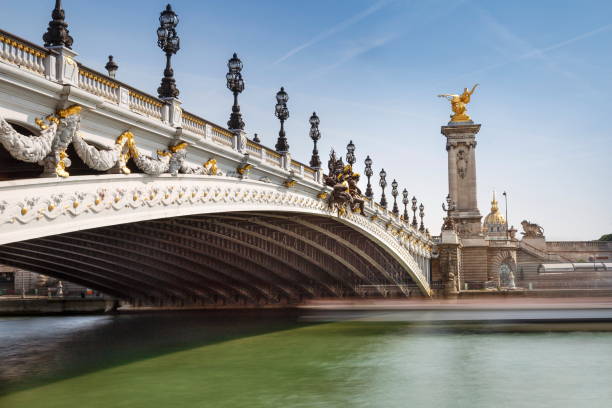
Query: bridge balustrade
{"x": 22, "y": 53}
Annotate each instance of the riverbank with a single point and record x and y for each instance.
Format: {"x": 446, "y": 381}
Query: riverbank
{"x": 33, "y": 306}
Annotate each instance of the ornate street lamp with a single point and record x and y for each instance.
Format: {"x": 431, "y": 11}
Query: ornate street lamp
{"x": 422, "y": 214}
{"x": 383, "y": 184}
{"x": 315, "y": 135}
{"x": 256, "y": 138}
{"x": 414, "y": 208}
{"x": 111, "y": 66}
{"x": 450, "y": 206}
{"x": 394, "y": 193}
{"x": 282, "y": 113}
{"x": 57, "y": 34}
{"x": 236, "y": 85}
{"x": 369, "y": 173}
{"x": 350, "y": 153}
{"x": 169, "y": 42}
{"x": 405, "y": 201}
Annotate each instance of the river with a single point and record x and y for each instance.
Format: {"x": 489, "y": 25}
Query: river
{"x": 306, "y": 359}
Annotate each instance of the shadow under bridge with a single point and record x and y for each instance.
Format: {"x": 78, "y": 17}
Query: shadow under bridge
{"x": 244, "y": 258}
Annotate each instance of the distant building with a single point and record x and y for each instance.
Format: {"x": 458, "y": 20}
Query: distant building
{"x": 475, "y": 255}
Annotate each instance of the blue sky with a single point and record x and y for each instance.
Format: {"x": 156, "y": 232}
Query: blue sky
{"x": 372, "y": 70}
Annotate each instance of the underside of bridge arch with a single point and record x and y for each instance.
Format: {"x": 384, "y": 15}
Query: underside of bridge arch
{"x": 243, "y": 258}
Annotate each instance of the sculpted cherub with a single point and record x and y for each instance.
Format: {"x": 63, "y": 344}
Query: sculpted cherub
{"x": 459, "y": 104}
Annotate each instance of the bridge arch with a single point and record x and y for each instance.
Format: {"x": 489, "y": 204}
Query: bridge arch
{"x": 206, "y": 239}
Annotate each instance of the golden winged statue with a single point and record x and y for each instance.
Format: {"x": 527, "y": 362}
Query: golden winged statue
{"x": 459, "y": 104}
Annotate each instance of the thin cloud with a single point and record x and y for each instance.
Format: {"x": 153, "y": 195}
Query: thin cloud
{"x": 516, "y": 42}
{"x": 335, "y": 29}
{"x": 356, "y": 51}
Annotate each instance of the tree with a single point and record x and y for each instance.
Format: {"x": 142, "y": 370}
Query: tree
{"x": 606, "y": 237}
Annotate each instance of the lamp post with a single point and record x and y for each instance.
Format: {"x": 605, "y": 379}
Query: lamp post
{"x": 282, "y": 113}
{"x": 414, "y": 208}
{"x": 368, "y": 172}
{"x": 236, "y": 85}
{"x": 315, "y": 135}
{"x": 57, "y": 34}
{"x": 449, "y": 207}
{"x": 169, "y": 42}
{"x": 421, "y": 215}
{"x": 111, "y": 66}
{"x": 350, "y": 153}
{"x": 383, "y": 184}
{"x": 405, "y": 201}
{"x": 394, "y": 193}
{"x": 506, "y": 203}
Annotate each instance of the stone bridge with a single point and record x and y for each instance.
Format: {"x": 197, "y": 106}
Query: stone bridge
{"x": 115, "y": 189}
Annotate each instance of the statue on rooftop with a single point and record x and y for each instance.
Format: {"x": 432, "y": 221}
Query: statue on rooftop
{"x": 532, "y": 230}
{"x": 459, "y": 104}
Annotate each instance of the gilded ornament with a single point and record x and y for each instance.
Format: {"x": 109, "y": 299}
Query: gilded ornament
{"x": 322, "y": 195}
{"x": 459, "y": 104}
{"x": 24, "y": 211}
{"x": 178, "y": 147}
{"x": 242, "y": 170}
{"x": 60, "y": 167}
{"x": 41, "y": 124}
{"x": 73, "y": 110}
{"x": 290, "y": 183}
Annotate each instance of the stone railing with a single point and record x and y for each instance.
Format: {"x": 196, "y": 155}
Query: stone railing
{"x": 296, "y": 167}
{"x": 193, "y": 123}
{"x": 22, "y": 53}
{"x": 222, "y": 136}
{"x": 310, "y": 173}
{"x": 585, "y": 245}
{"x": 254, "y": 149}
{"x": 145, "y": 104}
{"x": 98, "y": 84}
{"x": 273, "y": 158}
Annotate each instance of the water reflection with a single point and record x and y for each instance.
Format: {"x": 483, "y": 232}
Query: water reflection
{"x": 309, "y": 359}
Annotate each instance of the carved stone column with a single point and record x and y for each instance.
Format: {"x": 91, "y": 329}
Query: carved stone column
{"x": 461, "y": 146}
{"x": 449, "y": 250}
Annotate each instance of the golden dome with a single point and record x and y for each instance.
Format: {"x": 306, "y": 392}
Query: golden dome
{"x": 494, "y": 216}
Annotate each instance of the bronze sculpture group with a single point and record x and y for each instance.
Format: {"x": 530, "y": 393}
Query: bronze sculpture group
{"x": 346, "y": 194}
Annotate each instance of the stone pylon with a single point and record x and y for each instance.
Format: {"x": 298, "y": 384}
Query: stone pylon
{"x": 461, "y": 148}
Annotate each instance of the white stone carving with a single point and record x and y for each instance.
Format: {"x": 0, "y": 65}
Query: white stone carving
{"x": 31, "y": 149}
{"x": 101, "y": 159}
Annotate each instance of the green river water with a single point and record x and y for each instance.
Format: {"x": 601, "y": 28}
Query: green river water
{"x": 302, "y": 359}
